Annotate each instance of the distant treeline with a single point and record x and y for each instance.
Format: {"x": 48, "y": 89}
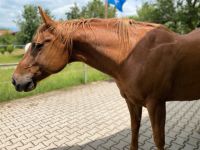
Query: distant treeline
{"x": 181, "y": 16}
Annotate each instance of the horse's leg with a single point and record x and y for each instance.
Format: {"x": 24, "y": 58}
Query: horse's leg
{"x": 157, "y": 114}
{"x": 135, "y": 115}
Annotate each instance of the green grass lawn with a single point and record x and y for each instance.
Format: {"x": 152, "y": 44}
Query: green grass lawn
{"x": 72, "y": 75}
{"x": 14, "y": 57}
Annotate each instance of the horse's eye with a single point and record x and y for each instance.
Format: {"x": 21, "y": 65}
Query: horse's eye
{"x": 37, "y": 46}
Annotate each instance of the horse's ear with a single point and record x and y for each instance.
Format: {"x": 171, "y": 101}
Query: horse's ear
{"x": 47, "y": 20}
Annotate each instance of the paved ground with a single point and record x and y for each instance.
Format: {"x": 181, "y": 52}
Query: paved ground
{"x": 88, "y": 118}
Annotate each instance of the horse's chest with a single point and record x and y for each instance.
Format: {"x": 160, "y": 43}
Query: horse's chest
{"x": 186, "y": 84}
{"x": 130, "y": 91}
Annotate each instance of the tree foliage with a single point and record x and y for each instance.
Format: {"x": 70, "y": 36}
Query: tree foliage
{"x": 74, "y": 12}
{"x": 10, "y": 48}
{"x": 93, "y": 9}
{"x": 179, "y": 15}
{"x": 189, "y": 14}
{"x": 28, "y": 23}
{"x": 7, "y": 39}
{"x": 146, "y": 13}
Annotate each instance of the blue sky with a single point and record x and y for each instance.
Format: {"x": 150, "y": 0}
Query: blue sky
{"x": 10, "y": 10}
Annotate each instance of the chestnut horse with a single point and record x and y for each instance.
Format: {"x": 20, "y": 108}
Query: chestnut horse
{"x": 150, "y": 64}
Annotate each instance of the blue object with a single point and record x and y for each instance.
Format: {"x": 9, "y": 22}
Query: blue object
{"x": 118, "y": 3}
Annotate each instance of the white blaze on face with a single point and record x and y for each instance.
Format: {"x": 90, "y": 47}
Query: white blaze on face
{"x": 27, "y": 47}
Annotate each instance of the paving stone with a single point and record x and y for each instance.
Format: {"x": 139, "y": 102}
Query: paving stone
{"x": 169, "y": 140}
{"x": 87, "y": 147}
{"x": 108, "y": 144}
{"x": 90, "y": 117}
{"x": 196, "y": 135}
{"x": 192, "y": 141}
{"x": 117, "y": 138}
{"x": 188, "y": 147}
{"x": 15, "y": 145}
{"x": 147, "y": 145}
{"x": 96, "y": 144}
{"x": 121, "y": 144}
{"x": 26, "y": 146}
{"x": 175, "y": 146}
{"x": 180, "y": 140}
{"x": 75, "y": 148}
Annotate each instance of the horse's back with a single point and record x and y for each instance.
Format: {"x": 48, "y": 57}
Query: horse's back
{"x": 169, "y": 70}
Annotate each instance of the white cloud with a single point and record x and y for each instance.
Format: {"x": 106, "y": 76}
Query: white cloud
{"x": 60, "y": 11}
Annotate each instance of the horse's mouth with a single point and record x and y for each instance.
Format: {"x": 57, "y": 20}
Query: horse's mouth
{"x": 30, "y": 86}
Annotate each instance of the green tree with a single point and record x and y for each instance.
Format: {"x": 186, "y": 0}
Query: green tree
{"x": 10, "y": 48}
{"x": 74, "y": 12}
{"x": 93, "y": 9}
{"x": 7, "y": 39}
{"x": 188, "y": 12}
{"x": 165, "y": 10}
{"x": 29, "y": 23}
{"x": 179, "y": 15}
{"x": 166, "y": 13}
{"x": 146, "y": 13}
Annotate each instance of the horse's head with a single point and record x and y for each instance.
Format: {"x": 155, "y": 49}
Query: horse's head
{"x": 46, "y": 55}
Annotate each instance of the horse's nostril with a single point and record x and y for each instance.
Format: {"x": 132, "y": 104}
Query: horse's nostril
{"x": 23, "y": 84}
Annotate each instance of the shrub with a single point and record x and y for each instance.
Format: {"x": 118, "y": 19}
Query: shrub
{"x": 2, "y": 50}
{"x": 7, "y": 39}
{"x": 10, "y": 48}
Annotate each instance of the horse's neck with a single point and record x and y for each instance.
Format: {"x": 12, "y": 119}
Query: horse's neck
{"x": 99, "y": 50}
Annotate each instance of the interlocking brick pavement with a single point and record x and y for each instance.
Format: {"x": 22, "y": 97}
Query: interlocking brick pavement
{"x": 90, "y": 117}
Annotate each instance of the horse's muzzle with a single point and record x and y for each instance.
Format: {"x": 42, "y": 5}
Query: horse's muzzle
{"x": 27, "y": 85}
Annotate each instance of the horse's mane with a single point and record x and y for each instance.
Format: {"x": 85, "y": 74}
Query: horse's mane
{"x": 120, "y": 26}
{"x": 123, "y": 27}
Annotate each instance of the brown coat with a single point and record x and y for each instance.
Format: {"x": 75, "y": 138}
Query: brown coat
{"x": 150, "y": 64}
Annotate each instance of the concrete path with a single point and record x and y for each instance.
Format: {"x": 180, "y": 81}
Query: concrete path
{"x": 90, "y": 117}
